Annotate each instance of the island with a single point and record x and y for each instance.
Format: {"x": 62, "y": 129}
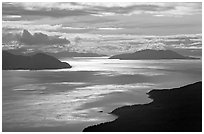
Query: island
{"x": 37, "y": 61}
{"x": 174, "y": 110}
{"x": 150, "y": 54}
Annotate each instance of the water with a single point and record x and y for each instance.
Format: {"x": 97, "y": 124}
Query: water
{"x": 72, "y": 99}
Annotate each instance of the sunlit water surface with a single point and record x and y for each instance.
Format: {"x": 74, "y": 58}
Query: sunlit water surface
{"x": 72, "y": 99}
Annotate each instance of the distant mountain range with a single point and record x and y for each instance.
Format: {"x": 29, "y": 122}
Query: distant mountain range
{"x": 59, "y": 55}
{"x": 37, "y": 61}
{"x": 149, "y": 54}
{"x": 65, "y": 54}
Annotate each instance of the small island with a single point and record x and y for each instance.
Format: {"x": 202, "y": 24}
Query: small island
{"x": 149, "y": 54}
{"x": 37, "y": 61}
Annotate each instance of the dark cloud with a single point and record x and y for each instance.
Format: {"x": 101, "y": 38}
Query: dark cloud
{"x": 129, "y": 9}
{"x": 19, "y": 9}
{"x": 7, "y": 37}
{"x": 12, "y": 9}
{"x": 40, "y": 38}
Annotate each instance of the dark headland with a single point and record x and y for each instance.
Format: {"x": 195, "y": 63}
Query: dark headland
{"x": 174, "y": 110}
{"x": 149, "y": 54}
{"x": 37, "y": 61}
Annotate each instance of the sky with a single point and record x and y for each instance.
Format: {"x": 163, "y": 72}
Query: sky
{"x": 103, "y": 28}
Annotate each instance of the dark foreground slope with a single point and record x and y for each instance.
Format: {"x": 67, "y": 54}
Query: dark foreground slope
{"x": 35, "y": 62}
{"x": 149, "y": 54}
{"x": 175, "y": 110}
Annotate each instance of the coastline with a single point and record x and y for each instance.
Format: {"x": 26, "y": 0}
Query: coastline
{"x": 172, "y": 110}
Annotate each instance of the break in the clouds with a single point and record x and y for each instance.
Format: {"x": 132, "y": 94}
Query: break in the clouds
{"x": 107, "y": 28}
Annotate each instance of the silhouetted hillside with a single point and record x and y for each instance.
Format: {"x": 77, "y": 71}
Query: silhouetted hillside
{"x": 149, "y": 54}
{"x": 175, "y": 110}
{"x": 35, "y": 62}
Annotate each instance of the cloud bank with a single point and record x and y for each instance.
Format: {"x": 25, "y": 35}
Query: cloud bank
{"x": 105, "y": 28}
{"x": 101, "y": 8}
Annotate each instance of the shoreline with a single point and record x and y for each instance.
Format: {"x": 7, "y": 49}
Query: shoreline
{"x": 172, "y": 110}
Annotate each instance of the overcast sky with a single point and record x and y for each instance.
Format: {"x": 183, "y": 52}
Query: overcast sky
{"x": 108, "y": 28}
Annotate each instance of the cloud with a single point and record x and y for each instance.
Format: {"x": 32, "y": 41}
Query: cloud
{"x": 106, "y": 44}
{"x": 12, "y": 16}
{"x": 116, "y": 44}
{"x": 40, "y": 38}
{"x": 75, "y": 28}
{"x": 34, "y": 9}
{"x": 101, "y": 9}
{"x": 11, "y": 45}
{"x": 29, "y": 25}
{"x": 109, "y": 28}
{"x": 116, "y": 18}
{"x": 158, "y": 9}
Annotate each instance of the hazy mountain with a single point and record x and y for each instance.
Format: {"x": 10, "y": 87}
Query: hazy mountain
{"x": 64, "y": 54}
{"x": 40, "y": 39}
{"x": 149, "y": 54}
{"x": 37, "y": 61}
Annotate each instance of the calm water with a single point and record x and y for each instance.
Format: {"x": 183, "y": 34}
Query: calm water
{"x": 72, "y": 99}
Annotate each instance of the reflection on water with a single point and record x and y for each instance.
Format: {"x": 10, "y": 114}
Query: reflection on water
{"x": 72, "y": 99}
